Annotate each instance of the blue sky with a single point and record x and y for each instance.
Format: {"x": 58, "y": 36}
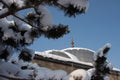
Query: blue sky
{"x": 100, "y": 25}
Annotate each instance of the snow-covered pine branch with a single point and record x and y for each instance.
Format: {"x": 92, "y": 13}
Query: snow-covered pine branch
{"x": 17, "y": 32}
{"x": 71, "y": 7}
{"x": 101, "y": 65}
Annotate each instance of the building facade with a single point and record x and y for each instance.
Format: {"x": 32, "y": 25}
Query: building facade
{"x": 69, "y": 60}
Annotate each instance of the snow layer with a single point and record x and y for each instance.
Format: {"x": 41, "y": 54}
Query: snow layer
{"x": 80, "y": 4}
{"x": 9, "y": 68}
{"x": 32, "y": 71}
{"x": 47, "y": 19}
{"x": 101, "y": 53}
{"x": 20, "y": 3}
{"x": 3, "y": 11}
{"x": 61, "y": 55}
{"x": 116, "y": 69}
{"x": 78, "y": 74}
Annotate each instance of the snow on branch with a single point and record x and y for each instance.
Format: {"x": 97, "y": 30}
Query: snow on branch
{"x": 13, "y": 6}
{"x": 102, "y": 52}
{"x": 71, "y": 7}
{"x": 12, "y": 77}
{"x": 102, "y": 66}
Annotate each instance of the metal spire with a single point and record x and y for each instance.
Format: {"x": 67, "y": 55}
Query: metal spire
{"x": 72, "y": 43}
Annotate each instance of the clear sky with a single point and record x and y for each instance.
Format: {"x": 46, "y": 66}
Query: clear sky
{"x": 100, "y": 25}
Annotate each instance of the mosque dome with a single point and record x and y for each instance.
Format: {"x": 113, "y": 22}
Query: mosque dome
{"x": 82, "y": 54}
{"x": 73, "y": 54}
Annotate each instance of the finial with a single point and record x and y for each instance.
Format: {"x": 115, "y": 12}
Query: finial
{"x": 72, "y": 43}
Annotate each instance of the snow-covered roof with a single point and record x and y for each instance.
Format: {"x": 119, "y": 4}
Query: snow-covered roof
{"x": 75, "y": 54}
{"x": 116, "y": 69}
{"x": 78, "y": 55}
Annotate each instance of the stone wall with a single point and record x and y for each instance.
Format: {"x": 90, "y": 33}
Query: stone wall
{"x": 55, "y": 66}
{"x": 58, "y": 64}
{"x": 115, "y": 75}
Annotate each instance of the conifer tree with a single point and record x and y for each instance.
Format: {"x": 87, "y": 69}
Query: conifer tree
{"x": 17, "y": 32}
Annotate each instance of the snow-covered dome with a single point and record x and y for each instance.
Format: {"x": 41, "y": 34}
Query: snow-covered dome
{"x": 64, "y": 54}
{"x": 72, "y": 54}
{"x": 83, "y": 54}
